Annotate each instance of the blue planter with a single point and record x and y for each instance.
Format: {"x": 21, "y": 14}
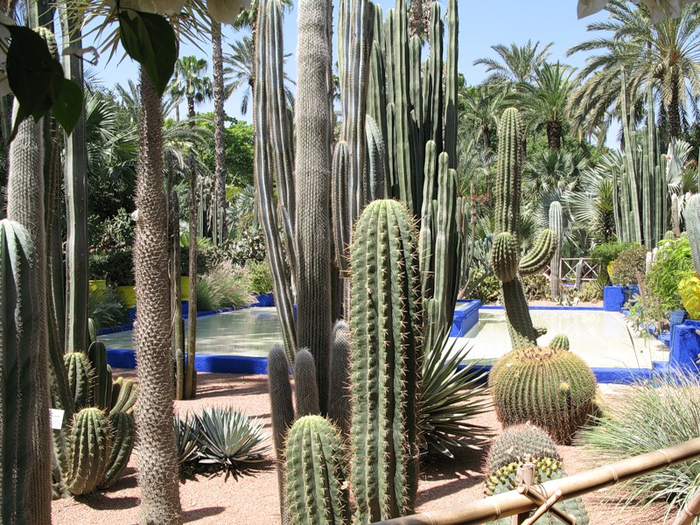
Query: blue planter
{"x": 266, "y": 299}
{"x": 676, "y": 317}
{"x": 613, "y": 298}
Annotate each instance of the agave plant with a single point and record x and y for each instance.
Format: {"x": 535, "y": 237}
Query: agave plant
{"x": 452, "y": 393}
{"x": 187, "y": 432}
{"x": 229, "y": 440}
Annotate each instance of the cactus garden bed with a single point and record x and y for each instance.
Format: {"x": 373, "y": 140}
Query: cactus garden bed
{"x": 252, "y": 498}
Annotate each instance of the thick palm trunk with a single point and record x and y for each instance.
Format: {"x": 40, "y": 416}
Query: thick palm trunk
{"x": 674, "y": 116}
{"x": 158, "y": 466}
{"x": 554, "y": 133}
{"x": 219, "y": 134}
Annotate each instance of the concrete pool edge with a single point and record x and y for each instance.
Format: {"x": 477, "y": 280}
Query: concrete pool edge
{"x": 234, "y": 364}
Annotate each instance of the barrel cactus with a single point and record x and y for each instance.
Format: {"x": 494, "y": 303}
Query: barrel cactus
{"x": 549, "y": 387}
{"x": 315, "y": 479}
{"x": 122, "y": 443}
{"x": 90, "y": 443}
{"x": 385, "y": 327}
{"x": 523, "y": 444}
{"x": 560, "y": 341}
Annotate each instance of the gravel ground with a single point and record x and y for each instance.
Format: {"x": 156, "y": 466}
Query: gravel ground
{"x": 252, "y": 498}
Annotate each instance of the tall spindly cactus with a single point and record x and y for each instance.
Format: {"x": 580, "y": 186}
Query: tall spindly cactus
{"x": 19, "y": 313}
{"x": 505, "y": 254}
{"x": 555, "y": 224}
{"x": 385, "y": 326}
{"x": 691, "y": 214}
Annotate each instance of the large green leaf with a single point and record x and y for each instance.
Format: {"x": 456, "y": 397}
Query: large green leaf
{"x": 67, "y": 108}
{"x": 150, "y": 40}
{"x": 35, "y": 77}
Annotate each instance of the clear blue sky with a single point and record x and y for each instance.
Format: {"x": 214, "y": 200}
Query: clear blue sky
{"x": 482, "y": 24}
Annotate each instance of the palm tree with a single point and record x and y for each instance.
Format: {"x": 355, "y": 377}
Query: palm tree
{"x": 516, "y": 65}
{"x": 665, "y": 55}
{"x": 190, "y": 83}
{"x": 219, "y": 133}
{"x": 544, "y": 102}
{"x": 480, "y": 107}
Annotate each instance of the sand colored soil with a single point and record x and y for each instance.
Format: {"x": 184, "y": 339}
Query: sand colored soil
{"x": 252, "y": 498}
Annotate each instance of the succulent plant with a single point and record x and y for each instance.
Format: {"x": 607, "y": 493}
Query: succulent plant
{"x": 122, "y": 443}
{"x": 549, "y": 387}
{"x": 90, "y": 446}
{"x": 315, "y": 466}
{"x": 518, "y": 443}
{"x": 560, "y": 341}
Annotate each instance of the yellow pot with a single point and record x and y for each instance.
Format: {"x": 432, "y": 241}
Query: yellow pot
{"x": 127, "y": 296}
{"x": 184, "y": 288}
{"x": 98, "y": 287}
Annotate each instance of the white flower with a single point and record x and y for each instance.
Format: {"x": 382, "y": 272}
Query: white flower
{"x": 589, "y": 7}
{"x": 226, "y": 11}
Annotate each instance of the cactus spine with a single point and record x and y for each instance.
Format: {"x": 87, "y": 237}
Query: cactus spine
{"x": 386, "y": 325}
{"x": 315, "y": 481}
{"x": 505, "y": 252}
{"x": 555, "y": 224}
{"x": 19, "y": 311}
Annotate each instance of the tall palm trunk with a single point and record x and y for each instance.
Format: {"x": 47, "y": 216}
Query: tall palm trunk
{"x": 554, "y": 133}
{"x": 219, "y": 133}
{"x": 674, "y": 116}
{"x": 158, "y": 468}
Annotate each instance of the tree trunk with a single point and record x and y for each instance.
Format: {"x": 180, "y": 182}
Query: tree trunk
{"x": 158, "y": 464}
{"x": 554, "y": 133}
{"x": 190, "y": 374}
{"x": 219, "y": 134}
{"x": 674, "y": 116}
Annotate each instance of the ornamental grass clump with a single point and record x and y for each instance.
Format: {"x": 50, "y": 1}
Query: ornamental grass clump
{"x": 653, "y": 415}
{"x": 225, "y": 286}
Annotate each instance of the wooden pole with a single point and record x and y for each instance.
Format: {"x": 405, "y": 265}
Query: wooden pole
{"x": 513, "y": 503}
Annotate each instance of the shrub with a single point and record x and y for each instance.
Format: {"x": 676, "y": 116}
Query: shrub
{"x": 689, "y": 289}
{"x": 223, "y": 287}
{"x": 260, "y": 276}
{"x": 652, "y": 416}
{"x": 604, "y": 254}
{"x": 591, "y": 291}
{"x": 488, "y": 290}
{"x": 629, "y": 263}
{"x": 250, "y": 245}
{"x": 536, "y": 287}
{"x": 207, "y": 255}
{"x": 673, "y": 263}
{"x": 114, "y": 266}
{"x": 105, "y": 308}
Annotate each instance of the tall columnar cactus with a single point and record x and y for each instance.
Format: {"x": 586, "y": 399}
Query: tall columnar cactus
{"x": 528, "y": 444}
{"x": 316, "y": 489}
{"x": 555, "y": 224}
{"x": 80, "y": 379}
{"x": 90, "y": 444}
{"x": 305, "y": 384}
{"x": 18, "y": 314}
{"x": 549, "y": 387}
{"x": 505, "y": 254}
{"x": 691, "y": 214}
{"x": 122, "y": 444}
{"x": 25, "y": 204}
{"x": 385, "y": 326}
{"x": 339, "y": 409}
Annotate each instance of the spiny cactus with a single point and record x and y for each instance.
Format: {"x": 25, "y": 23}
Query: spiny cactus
{"x": 549, "y": 387}
{"x": 305, "y": 384}
{"x": 124, "y": 395}
{"x": 385, "y": 326}
{"x": 102, "y": 388}
{"x": 339, "y": 410}
{"x": 316, "y": 490}
{"x": 691, "y": 214}
{"x": 80, "y": 378}
{"x": 560, "y": 341}
{"x": 122, "y": 443}
{"x": 555, "y": 224}
{"x": 18, "y": 313}
{"x": 505, "y": 254}
{"x": 90, "y": 450}
{"x": 528, "y": 444}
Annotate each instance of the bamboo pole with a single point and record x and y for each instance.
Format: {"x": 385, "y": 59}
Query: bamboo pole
{"x": 510, "y": 503}
{"x": 689, "y": 512}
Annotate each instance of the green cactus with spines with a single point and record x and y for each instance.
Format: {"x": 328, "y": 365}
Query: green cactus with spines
{"x": 555, "y": 224}
{"x": 315, "y": 479}
{"x": 523, "y": 444}
{"x": 80, "y": 378}
{"x": 505, "y": 256}
{"x": 339, "y": 409}
{"x": 560, "y": 341}
{"x": 102, "y": 386}
{"x": 548, "y": 387}
{"x": 122, "y": 443}
{"x": 18, "y": 313}
{"x": 385, "y": 326}
{"x": 307, "y": 402}
{"x": 124, "y": 395}
{"x": 517, "y": 443}
{"x": 90, "y": 445}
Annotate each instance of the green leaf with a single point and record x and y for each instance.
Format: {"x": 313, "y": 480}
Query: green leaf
{"x": 150, "y": 40}
{"x": 68, "y": 107}
{"x": 35, "y": 77}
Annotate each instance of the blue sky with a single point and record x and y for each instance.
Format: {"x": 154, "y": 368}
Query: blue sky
{"x": 482, "y": 24}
